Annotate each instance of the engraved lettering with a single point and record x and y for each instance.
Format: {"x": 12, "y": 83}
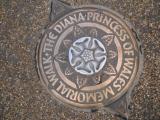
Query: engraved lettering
{"x": 119, "y": 83}
{"x": 89, "y": 16}
{"x": 53, "y": 79}
{"x": 91, "y": 97}
{"x": 73, "y": 18}
{"x": 81, "y": 97}
{"x": 73, "y": 95}
{"x": 49, "y": 42}
{"x": 127, "y": 46}
{"x": 47, "y": 60}
{"x": 100, "y": 96}
{"x": 49, "y": 69}
{"x": 103, "y": 67}
{"x": 108, "y": 91}
{"x": 52, "y": 37}
{"x": 129, "y": 62}
{"x": 81, "y": 17}
{"x": 62, "y": 88}
{"x": 58, "y": 28}
{"x": 107, "y": 20}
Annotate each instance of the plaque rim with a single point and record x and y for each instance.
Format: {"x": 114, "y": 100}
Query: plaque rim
{"x": 132, "y": 82}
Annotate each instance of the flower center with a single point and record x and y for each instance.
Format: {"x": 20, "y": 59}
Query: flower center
{"x": 87, "y": 55}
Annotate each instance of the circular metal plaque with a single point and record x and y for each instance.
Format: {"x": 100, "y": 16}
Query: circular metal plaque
{"x": 89, "y": 58}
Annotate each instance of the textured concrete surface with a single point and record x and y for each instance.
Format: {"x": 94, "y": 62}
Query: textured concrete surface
{"x": 22, "y": 96}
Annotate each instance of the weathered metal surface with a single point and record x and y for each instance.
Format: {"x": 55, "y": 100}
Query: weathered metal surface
{"x": 89, "y": 58}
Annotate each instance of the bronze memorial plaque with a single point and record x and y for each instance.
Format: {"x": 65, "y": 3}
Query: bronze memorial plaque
{"x": 89, "y": 58}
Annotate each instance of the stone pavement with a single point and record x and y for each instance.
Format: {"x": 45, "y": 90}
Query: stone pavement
{"x": 23, "y": 97}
